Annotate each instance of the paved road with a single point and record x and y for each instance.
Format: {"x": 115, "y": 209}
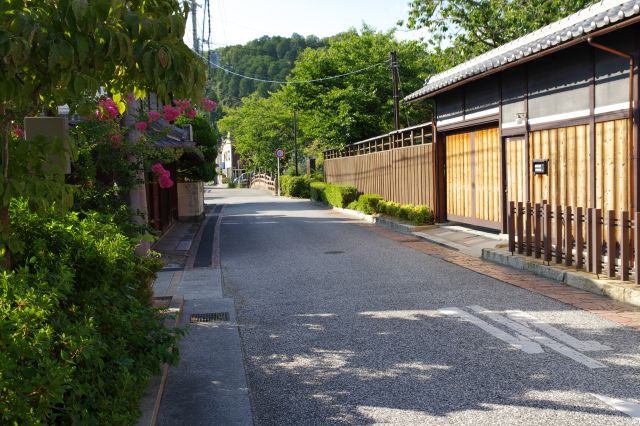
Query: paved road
{"x": 340, "y": 325}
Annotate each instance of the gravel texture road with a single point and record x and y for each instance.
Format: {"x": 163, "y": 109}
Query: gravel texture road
{"x": 340, "y": 325}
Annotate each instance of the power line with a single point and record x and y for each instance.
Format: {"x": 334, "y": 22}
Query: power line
{"x": 315, "y": 80}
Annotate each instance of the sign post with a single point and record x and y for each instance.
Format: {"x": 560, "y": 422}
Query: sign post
{"x": 279, "y": 155}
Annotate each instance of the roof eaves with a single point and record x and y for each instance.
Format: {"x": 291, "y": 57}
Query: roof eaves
{"x": 593, "y": 18}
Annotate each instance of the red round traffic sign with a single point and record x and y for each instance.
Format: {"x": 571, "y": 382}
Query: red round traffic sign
{"x": 279, "y": 152}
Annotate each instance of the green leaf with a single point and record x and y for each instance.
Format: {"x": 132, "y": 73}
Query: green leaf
{"x": 79, "y": 9}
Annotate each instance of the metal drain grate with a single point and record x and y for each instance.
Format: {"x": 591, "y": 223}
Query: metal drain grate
{"x": 210, "y": 317}
{"x": 334, "y": 252}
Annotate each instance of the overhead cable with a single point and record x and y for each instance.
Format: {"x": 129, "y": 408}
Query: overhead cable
{"x": 315, "y": 80}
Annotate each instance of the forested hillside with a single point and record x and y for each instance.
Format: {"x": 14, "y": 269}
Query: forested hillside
{"x": 268, "y": 58}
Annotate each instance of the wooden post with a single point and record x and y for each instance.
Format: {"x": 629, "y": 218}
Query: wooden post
{"x": 547, "y": 233}
{"x": 611, "y": 243}
{"x": 636, "y": 239}
{"x": 527, "y": 237}
{"x": 519, "y": 228}
{"x": 558, "y": 223}
{"x": 579, "y": 237}
{"x": 589, "y": 228}
{"x": 568, "y": 236}
{"x": 537, "y": 230}
{"x": 624, "y": 246}
{"x": 596, "y": 242}
{"x": 511, "y": 225}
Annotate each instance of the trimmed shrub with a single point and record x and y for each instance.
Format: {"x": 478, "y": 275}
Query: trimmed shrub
{"x": 368, "y": 203}
{"x": 78, "y": 337}
{"x": 404, "y": 211}
{"x": 316, "y": 191}
{"x": 340, "y": 195}
{"x": 393, "y": 209}
{"x": 295, "y": 186}
{"x": 353, "y": 205}
{"x": 421, "y": 215}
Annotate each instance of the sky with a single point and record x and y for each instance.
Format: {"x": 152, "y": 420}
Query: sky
{"x": 239, "y": 21}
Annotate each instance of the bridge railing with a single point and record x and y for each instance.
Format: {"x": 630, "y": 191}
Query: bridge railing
{"x": 263, "y": 181}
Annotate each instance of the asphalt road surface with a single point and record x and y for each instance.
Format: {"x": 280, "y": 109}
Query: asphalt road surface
{"x": 340, "y": 325}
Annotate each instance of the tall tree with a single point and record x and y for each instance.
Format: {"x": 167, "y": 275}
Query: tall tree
{"x": 358, "y": 105}
{"x": 461, "y": 29}
{"x": 258, "y": 128}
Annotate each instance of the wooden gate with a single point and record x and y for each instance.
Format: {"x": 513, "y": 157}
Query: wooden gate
{"x": 473, "y": 177}
{"x": 516, "y": 184}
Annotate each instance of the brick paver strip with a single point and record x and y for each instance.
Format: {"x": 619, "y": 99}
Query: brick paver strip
{"x": 598, "y": 305}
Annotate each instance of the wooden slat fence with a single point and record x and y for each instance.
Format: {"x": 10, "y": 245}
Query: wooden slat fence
{"x": 397, "y": 166}
{"x": 607, "y": 244}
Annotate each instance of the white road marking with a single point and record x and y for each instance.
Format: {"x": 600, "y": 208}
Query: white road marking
{"x": 581, "y": 345}
{"x": 518, "y": 341}
{"x": 629, "y": 408}
{"x": 537, "y": 337}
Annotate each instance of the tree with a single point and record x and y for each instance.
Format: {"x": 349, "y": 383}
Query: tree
{"x": 258, "y": 128}
{"x": 359, "y": 105}
{"x": 462, "y": 29}
{"x": 63, "y": 51}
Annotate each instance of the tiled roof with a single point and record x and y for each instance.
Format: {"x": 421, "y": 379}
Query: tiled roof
{"x": 598, "y": 16}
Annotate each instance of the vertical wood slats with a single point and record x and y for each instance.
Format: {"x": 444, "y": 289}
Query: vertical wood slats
{"x": 559, "y": 234}
{"x": 403, "y": 175}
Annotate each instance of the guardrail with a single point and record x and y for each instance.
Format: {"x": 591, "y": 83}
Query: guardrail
{"x": 263, "y": 181}
{"x": 584, "y": 238}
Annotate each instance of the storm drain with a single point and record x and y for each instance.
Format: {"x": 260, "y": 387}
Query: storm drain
{"x": 334, "y": 252}
{"x": 209, "y": 317}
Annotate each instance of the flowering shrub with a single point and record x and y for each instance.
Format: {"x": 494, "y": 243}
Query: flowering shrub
{"x": 209, "y": 105}
{"x": 153, "y": 116}
{"x": 107, "y": 109}
{"x": 164, "y": 176}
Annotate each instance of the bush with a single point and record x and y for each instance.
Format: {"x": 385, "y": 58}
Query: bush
{"x": 316, "y": 191}
{"x": 78, "y": 337}
{"x": 392, "y": 209}
{"x": 404, "y": 211}
{"x": 340, "y": 195}
{"x": 295, "y": 186}
{"x": 368, "y": 203}
{"x": 421, "y": 215}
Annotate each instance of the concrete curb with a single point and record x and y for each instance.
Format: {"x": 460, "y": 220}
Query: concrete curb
{"x": 616, "y": 290}
{"x": 150, "y": 405}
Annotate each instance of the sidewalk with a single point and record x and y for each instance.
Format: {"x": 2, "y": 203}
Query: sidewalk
{"x": 208, "y": 386}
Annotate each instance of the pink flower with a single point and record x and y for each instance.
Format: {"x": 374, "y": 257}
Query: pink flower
{"x": 209, "y": 105}
{"x": 182, "y": 104}
{"x": 115, "y": 140}
{"x": 141, "y": 126}
{"x": 170, "y": 113}
{"x": 153, "y": 116}
{"x": 131, "y": 98}
{"x": 190, "y": 113}
{"x": 19, "y": 131}
{"x": 165, "y": 181}
{"x": 159, "y": 169}
{"x": 107, "y": 109}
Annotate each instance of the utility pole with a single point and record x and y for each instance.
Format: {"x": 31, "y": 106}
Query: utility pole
{"x": 194, "y": 25}
{"x": 396, "y": 100}
{"x": 295, "y": 141}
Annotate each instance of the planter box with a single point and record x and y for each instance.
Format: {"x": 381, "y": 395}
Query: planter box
{"x": 190, "y": 201}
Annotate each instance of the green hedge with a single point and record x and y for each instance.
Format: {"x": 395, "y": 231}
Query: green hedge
{"x": 368, "y": 203}
{"x": 340, "y": 195}
{"x": 316, "y": 191}
{"x": 295, "y": 186}
{"x": 78, "y": 337}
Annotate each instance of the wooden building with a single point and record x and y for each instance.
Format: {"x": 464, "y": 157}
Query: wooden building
{"x": 551, "y": 116}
